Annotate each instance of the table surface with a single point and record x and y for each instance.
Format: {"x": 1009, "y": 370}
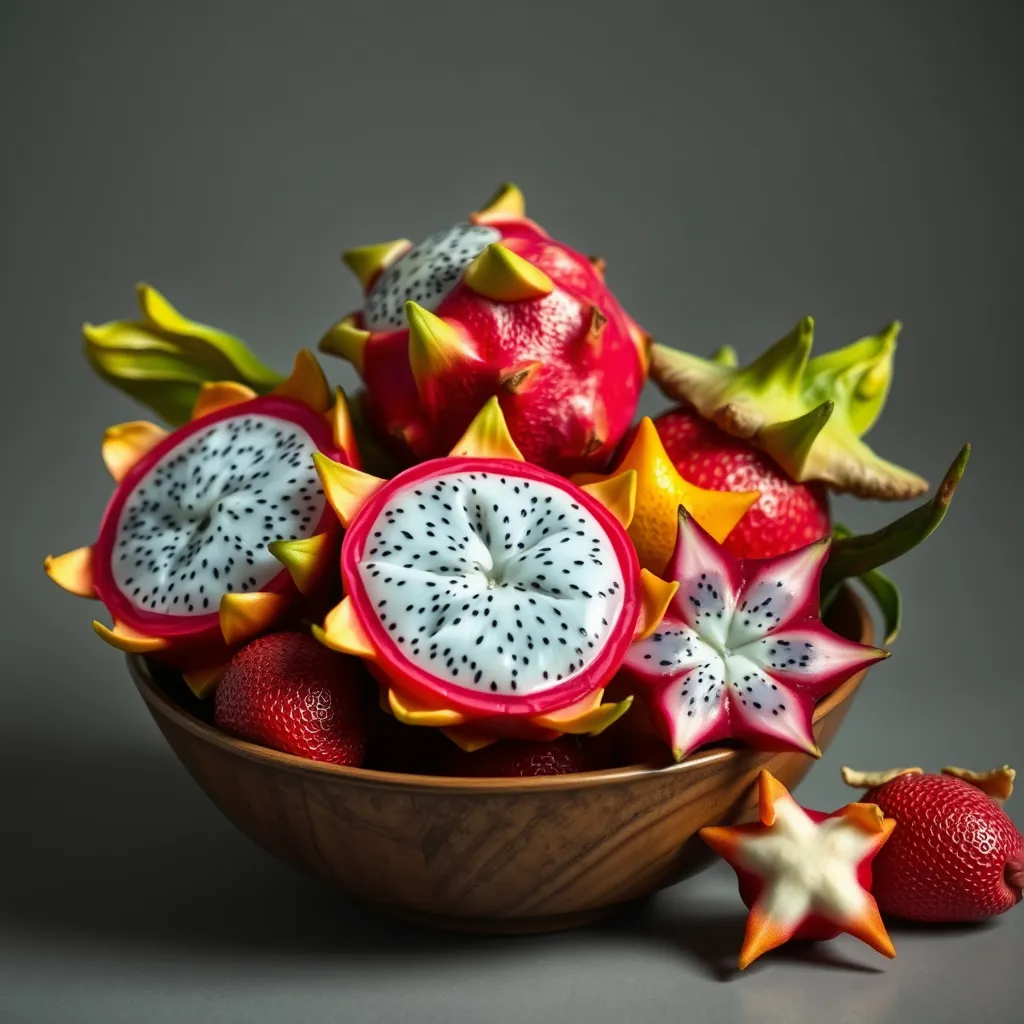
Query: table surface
{"x": 739, "y": 165}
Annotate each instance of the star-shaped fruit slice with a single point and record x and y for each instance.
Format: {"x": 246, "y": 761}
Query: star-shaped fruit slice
{"x": 741, "y": 651}
{"x": 804, "y": 874}
{"x": 660, "y": 490}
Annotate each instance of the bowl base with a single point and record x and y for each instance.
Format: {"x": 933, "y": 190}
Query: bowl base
{"x": 504, "y": 925}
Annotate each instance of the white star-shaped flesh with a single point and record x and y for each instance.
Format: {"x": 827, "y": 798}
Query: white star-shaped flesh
{"x": 741, "y": 651}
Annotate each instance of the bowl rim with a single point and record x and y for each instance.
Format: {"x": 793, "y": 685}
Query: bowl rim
{"x": 160, "y": 704}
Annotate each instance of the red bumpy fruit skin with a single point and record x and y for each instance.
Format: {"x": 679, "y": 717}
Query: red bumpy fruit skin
{"x": 787, "y": 516}
{"x": 526, "y": 759}
{"x": 955, "y": 855}
{"x": 288, "y": 692}
{"x": 568, "y": 366}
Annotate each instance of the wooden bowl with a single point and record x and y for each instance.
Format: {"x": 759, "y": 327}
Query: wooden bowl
{"x": 488, "y": 855}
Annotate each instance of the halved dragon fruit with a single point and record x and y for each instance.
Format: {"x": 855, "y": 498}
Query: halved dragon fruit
{"x": 741, "y": 652}
{"x": 489, "y": 596}
{"x": 215, "y": 530}
{"x": 493, "y": 307}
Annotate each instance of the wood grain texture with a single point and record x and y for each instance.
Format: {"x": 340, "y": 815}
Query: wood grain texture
{"x": 496, "y": 855}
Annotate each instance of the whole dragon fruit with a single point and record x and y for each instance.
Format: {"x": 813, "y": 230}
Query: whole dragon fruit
{"x": 217, "y": 529}
{"x": 493, "y": 307}
{"x": 489, "y": 597}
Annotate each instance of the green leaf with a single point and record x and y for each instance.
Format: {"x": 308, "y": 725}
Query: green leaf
{"x": 163, "y": 359}
{"x": 882, "y": 589}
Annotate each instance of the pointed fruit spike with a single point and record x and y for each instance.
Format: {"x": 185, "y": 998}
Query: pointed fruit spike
{"x": 307, "y": 383}
{"x": 783, "y": 365}
{"x": 508, "y": 201}
{"x": 789, "y": 443}
{"x": 469, "y": 738}
{"x": 347, "y": 489}
{"x": 436, "y": 348}
{"x": 521, "y": 378}
{"x": 304, "y": 559}
{"x": 600, "y": 265}
{"x": 367, "y": 261}
{"x": 347, "y": 341}
{"x": 590, "y": 722}
{"x": 762, "y": 935}
{"x": 72, "y": 571}
{"x": 409, "y": 712}
{"x": 243, "y": 616}
{"x": 343, "y": 432}
{"x": 725, "y": 356}
{"x": 595, "y": 332}
{"x": 488, "y": 437}
{"x": 870, "y": 780}
{"x": 869, "y": 928}
{"x": 996, "y": 783}
{"x": 617, "y": 494}
{"x": 126, "y": 443}
{"x": 655, "y": 597}
{"x": 221, "y": 394}
{"x": 500, "y": 275}
{"x": 159, "y": 312}
{"x": 769, "y": 792}
{"x": 128, "y": 640}
{"x": 867, "y": 817}
{"x": 202, "y": 682}
{"x": 342, "y": 631}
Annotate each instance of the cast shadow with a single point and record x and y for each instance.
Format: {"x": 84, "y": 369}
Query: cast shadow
{"x": 120, "y": 846}
{"x": 711, "y": 940}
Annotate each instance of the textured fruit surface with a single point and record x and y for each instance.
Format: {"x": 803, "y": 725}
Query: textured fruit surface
{"x": 955, "y": 855}
{"x": 490, "y": 597}
{"x": 494, "y": 307}
{"x": 288, "y": 692}
{"x": 787, "y": 516}
{"x": 217, "y": 530}
{"x": 741, "y": 651}
{"x": 525, "y": 759}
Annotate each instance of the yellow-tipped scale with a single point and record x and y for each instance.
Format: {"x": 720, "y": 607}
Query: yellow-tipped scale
{"x": 347, "y": 341}
{"x": 304, "y": 559}
{"x": 72, "y": 571}
{"x": 306, "y": 383}
{"x": 128, "y": 640}
{"x": 655, "y": 596}
{"x": 126, "y": 443}
{"x": 435, "y": 346}
{"x": 617, "y": 494}
{"x": 342, "y": 631}
{"x": 220, "y": 394}
{"x": 502, "y": 276}
{"x": 487, "y": 437}
{"x": 508, "y": 201}
{"x": 347, "y": 489}
{"x": 202, "y": 681}
{"x": 368, "y": 261}
{"x": 243, "y": 616}
{"x": 584, "y": 721}
{"x": 408, "y": 712}
{"x": 340, "y": 418}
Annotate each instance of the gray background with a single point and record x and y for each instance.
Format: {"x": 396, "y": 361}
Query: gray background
{"x": 739, "y": 165}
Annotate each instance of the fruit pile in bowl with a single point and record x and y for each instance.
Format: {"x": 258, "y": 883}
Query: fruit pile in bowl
{"x": 478, "y": 645}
